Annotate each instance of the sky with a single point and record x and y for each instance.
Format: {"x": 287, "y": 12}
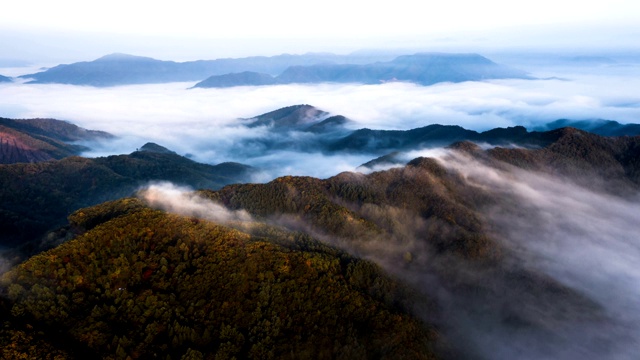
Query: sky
{"x": 203, "y": 122}
{"x": 75, "y": 30}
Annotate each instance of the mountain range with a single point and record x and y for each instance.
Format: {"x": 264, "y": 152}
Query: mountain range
{"x": 123, "y": 69}
{"x": 423, "y": 69}
{"x": 431, "y": 258}
{"x": 334, "y": 134}
{"x": 4, "y": 79}
{"x": 40, "y": 158}
{"x": 596, "y": 126}
{"x": 268, "y": 271}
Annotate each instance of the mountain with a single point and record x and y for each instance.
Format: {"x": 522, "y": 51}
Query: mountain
{"x": 36, "y": 198}
{"x": 304, "y": 128}
{"x": 597, "y": 126}
{"x": 245, "y": 78}
{"x": 4, "y": 79}
{"x": 296, "y": 117}
{"x": 155, "y": 148}
{"x": 422, "y": 68}
{"x": 461, "y": 253}
{"x": 35, "y": 140}
{"x": 123, "y": 69}
{"x": 138, "y": 282}
{"x": 329, "y": 125}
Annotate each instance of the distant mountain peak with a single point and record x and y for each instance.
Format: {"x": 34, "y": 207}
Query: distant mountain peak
{"x": 155, "y": 148}
{"x": 290, "y": 117}
{"x": 123, "y": 56}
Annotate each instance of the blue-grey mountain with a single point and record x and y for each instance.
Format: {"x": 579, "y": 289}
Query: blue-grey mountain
{"x": 422, "y": 69}
{"x": 123, "y": 69}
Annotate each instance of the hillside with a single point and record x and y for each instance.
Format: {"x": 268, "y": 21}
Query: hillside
{"x": 36, "y": 198}
{"x": 422, "y": 69}
{"x": 34, "y": 140}
{"x": 141, "y": 282}
{"x": 4, "y": 79}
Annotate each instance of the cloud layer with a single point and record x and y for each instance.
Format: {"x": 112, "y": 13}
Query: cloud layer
{"x": 204, "y": 122}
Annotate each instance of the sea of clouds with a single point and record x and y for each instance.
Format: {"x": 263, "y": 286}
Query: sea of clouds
{"x": 205, "y": 122}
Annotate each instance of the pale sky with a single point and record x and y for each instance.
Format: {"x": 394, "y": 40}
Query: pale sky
{"x": 286, "y": 25}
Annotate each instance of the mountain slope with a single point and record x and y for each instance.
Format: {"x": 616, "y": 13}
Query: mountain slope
{"x": 450, "y": 223}
{"x": 4, "y": 79}
{"x": 38, "y": 197}
{"x": 466, "y": 230}
{"x": 193, "y": 289}
{"x": 34, "y": 140}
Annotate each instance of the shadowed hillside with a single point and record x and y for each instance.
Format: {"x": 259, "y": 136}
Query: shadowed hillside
{"x": 38, "y": 197}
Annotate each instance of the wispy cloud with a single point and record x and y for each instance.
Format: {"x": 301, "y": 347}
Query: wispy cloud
{"x": 584, "y": 239}
{"x": 184, "y": 201}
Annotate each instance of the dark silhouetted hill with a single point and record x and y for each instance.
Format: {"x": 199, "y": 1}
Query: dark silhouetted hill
{"x": 598, "y": 126}
{"x": 155, "y": 148}
{"x": 38, "y": 197}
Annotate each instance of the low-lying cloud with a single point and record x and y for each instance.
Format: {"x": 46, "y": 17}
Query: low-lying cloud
{"x": 184, "y": 201}
{"x": 204, "y": 122}
{"x": 581, "y": 238}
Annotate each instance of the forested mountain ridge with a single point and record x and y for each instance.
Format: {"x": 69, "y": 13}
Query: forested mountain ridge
{"x": 143, "y": 283}
{"x": 135, "y": 281}
{"x": 36, "y": 198}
